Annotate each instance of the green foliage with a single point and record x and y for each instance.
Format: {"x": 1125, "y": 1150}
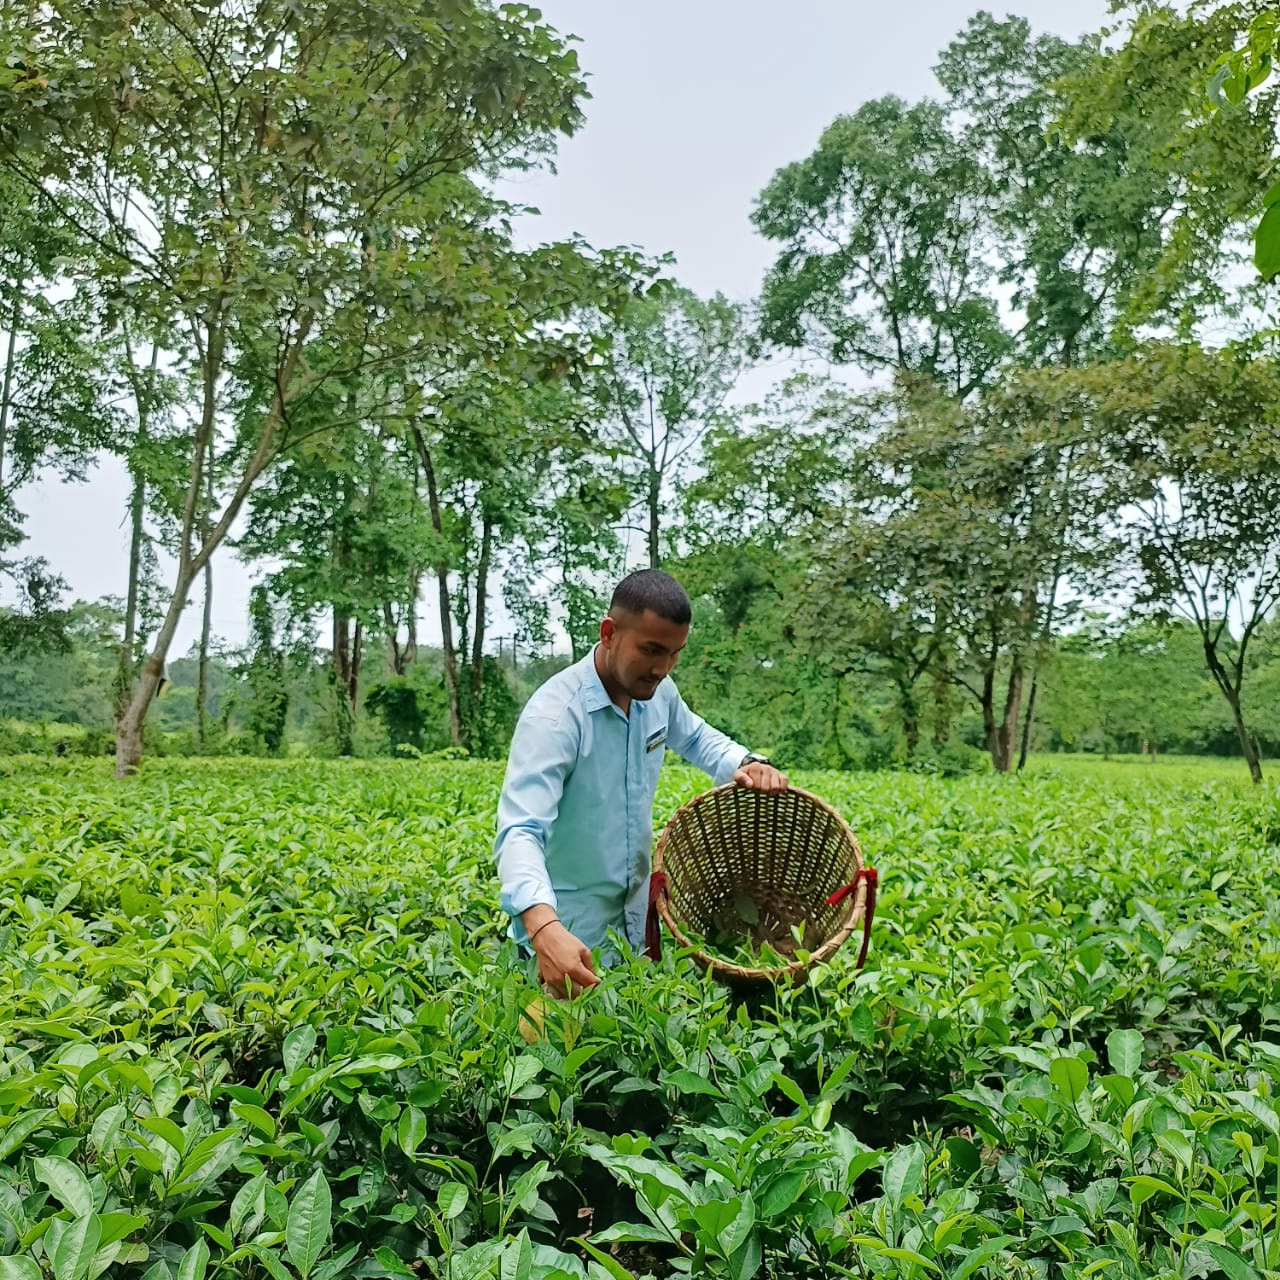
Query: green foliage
{"x": 1111, "y": 688}
{"x": 38, "y": 623}
{"x": 1207, "y": 164}
{"x": 883, "y": 210}
{"x": 55, "y": 397}
{"x": 490, "y": 718}
{"x": 413, "y": 709}
{"x": 669, "y": 368}
{"x": 265, "y": 675}
{"x": 71, "y": 685}
{"x": 1235, "y": 75}
{"x": 397, "y": 397}
{"x": 261, "y": 1020}
{"x": 908, "y": 231}
{"x": 307, "y": 223}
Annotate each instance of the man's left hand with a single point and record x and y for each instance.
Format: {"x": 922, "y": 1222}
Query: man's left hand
{"x": 761, "y": 777}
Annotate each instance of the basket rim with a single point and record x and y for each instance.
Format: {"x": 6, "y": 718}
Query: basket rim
{"x": 857, "y": 900}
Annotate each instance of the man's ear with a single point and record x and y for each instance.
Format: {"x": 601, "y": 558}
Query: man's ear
{"x": 607, "y": 629}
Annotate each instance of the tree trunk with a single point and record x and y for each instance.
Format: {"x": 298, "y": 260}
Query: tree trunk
{"x": 206, "y": 622}
{"x": 942, "y": 704}
{"x": 125, "y": 673}
{"x": 1029, "y": 722}
{"x": 988, "y": 701}
{"x": 410, "y": 651}
{"x": 442, "y": 584}
{"x": 841, "y": 751}
{"x": 353, "y": 672}
{"x": 1007, "y": 731}
{"x": 129, "y": 726}
{"x": 1231, "y": 691}
{"x": 395, "y": 656}
{"x": 1248, "y": 744}
{"x": 344, "y": 742}
{"x": 6, "y": 392}
{"x": 1046, "y": 635}
{"x": 654, "y": 496}
{"x": 462, "y": 614}
{"x": 341, "y": 648}
{"x": 910, "y": 716}
{"x": 137, "y": 513}
{"x": 477, "y": 639}
{"x": 942, "y": 677}
{"x": 202, "y": 678}
{"x": 129, "y": 732}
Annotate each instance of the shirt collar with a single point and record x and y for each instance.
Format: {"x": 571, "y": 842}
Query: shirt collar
{"x": 593, "y": 690}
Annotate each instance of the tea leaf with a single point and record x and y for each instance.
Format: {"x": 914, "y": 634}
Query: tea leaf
{"x": 1124, "y": 1052}
{"x": 452, "y": 1200}
{"x": 903, "y": 1174}
{"x": 195, "y": 1262}
{"x": 299, "y": 1045}
{"x": 1069, "y": 1076}
{"x": 75, "y": 1250}
{"x": 67, "y": 1183}
{"x": 18, "y": 1268}
{"x": 306, "y": 1232}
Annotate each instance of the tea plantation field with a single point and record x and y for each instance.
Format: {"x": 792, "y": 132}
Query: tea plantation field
{"x": 258, "y": 1020}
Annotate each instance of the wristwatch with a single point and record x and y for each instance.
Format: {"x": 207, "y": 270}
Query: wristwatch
{"x": 752, "y": 758}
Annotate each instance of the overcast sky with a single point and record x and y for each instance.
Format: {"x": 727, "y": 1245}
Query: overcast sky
{"x": 695, "y": 104}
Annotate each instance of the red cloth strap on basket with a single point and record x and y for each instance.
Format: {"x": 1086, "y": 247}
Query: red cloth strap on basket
{"x": 653, "y": 924}
{"x": 872, "y": 877}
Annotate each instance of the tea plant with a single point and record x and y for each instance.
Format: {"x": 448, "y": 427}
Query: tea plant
{"x": 261, "y": 1020}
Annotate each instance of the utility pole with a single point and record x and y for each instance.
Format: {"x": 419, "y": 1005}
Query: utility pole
{"x": 515, "y": 658}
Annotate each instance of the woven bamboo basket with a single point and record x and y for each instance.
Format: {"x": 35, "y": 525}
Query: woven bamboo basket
{"x": 745, "y": 864}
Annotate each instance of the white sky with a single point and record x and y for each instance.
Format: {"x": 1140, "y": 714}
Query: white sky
{"x": 695, "y": 104}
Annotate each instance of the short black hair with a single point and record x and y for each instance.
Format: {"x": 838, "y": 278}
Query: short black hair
{"x": 655, "y": 590}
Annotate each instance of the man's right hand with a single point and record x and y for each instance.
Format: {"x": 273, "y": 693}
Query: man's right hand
{"x": 564, "y": 964}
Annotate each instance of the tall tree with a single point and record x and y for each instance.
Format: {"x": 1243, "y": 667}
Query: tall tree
{"x": 1150, "y": 86}
{"x": 1072, "y": 226}
{"x": 281, "y": 185}
{"x": 885, "y": 262}
{"x": 342, "y": 518}
{"x": 664, "y": 382}
{"x": 1196, "y": 433}
{"x": 519, "y": 486}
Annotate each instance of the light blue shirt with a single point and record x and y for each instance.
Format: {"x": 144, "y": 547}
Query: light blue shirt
{"x": 575, "y": 817}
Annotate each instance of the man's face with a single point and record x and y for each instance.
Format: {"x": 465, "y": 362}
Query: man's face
{"x": 640, "y": 651}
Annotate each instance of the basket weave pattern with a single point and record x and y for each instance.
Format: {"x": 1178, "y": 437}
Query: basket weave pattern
{"x": 736, "y": 861}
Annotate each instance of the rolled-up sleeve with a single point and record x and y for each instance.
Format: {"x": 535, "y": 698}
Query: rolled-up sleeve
{"x": 705, "y": 748}
{"x": 543, "y": 752}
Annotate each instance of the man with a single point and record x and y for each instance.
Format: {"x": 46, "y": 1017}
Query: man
{"x": 575, "y": 817}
